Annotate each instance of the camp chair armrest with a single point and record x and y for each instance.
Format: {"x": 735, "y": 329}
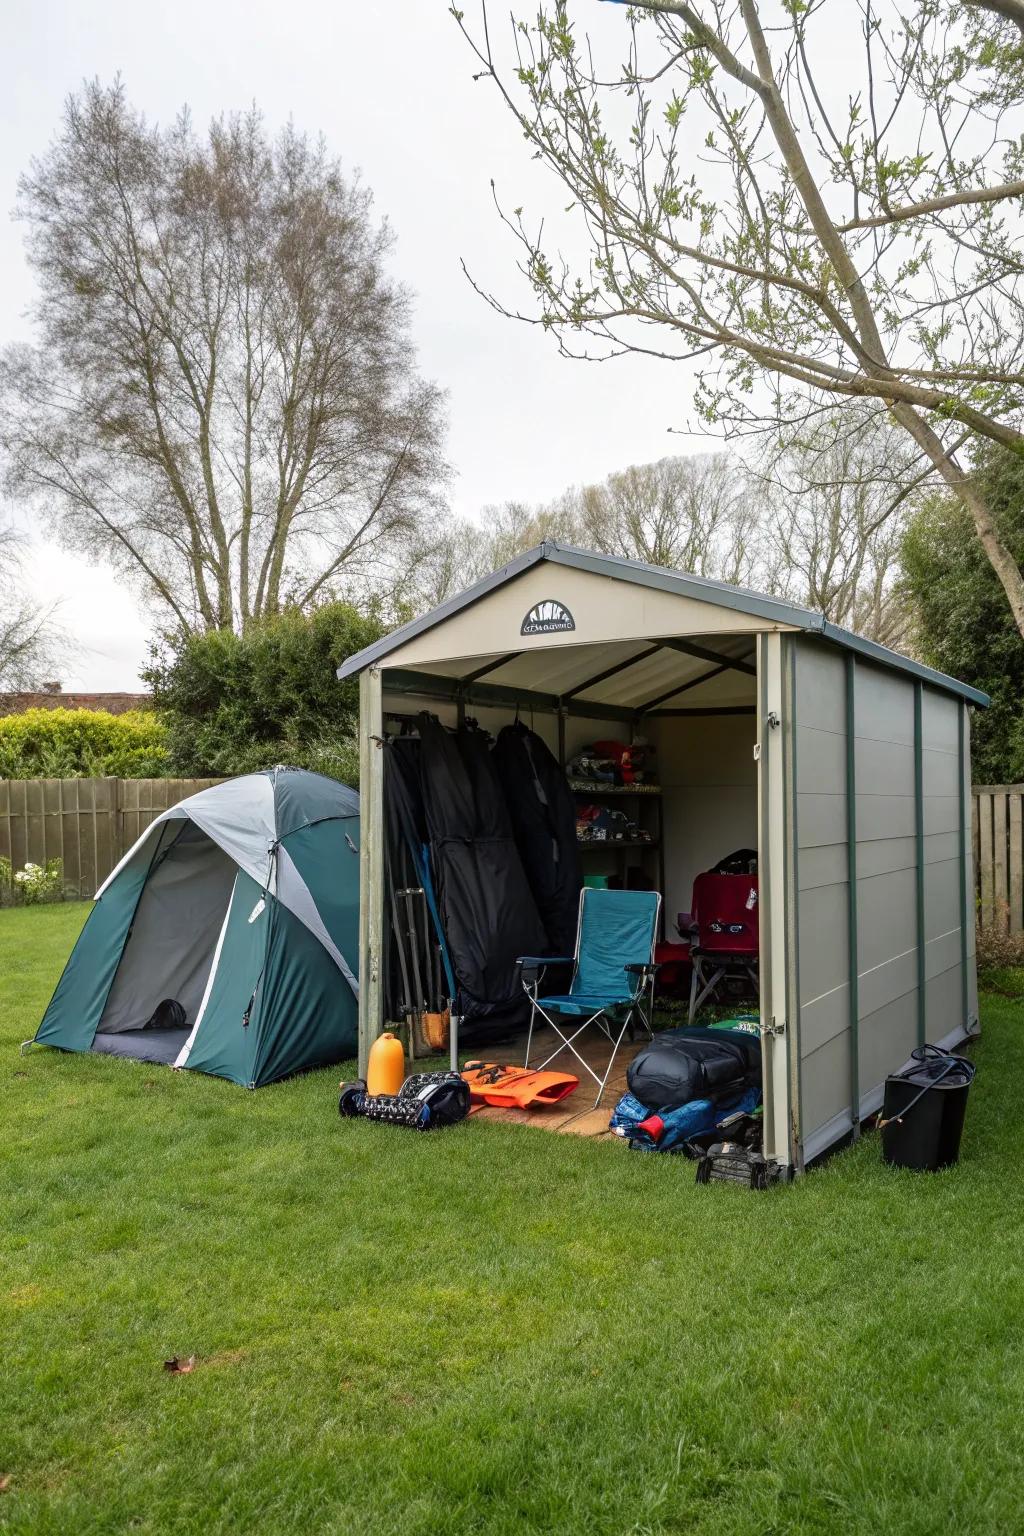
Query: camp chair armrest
{"x": 532, "y": 967}
{"x": 644, "y": 969}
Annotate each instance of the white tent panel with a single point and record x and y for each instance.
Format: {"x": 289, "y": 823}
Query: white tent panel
{"x": 238, "y": 816}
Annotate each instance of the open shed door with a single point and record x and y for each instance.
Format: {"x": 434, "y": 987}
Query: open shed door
{"x": 882, "y": 947}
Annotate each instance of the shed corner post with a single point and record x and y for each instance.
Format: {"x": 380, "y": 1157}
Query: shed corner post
{"x": 774, "y": 917}
{"x": 968, "y": 962}
{"x": 371, "y": 861}
{"x": 919, "y": 870}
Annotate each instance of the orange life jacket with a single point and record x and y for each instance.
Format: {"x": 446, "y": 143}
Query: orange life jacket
{"x": 516, "y": 1087}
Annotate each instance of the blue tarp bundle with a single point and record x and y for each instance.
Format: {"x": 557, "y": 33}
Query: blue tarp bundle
{"x": 697, "y": 1118}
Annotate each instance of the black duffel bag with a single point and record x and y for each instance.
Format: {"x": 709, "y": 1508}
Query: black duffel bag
{"x": 694, "y": 1063}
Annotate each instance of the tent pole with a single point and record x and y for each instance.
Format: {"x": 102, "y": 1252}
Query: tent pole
{"x": 371, "y": 862}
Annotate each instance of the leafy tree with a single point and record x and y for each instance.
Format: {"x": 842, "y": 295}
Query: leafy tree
{"x": 962, "y": 622}
{"x": 237, "y": 703}
{"x": 798, "y": 231}
{"x": 82, "y": 743}
{"x": 223, "y": 400}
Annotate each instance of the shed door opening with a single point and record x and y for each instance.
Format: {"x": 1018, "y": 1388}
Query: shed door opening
{"x": 695, "y": 802}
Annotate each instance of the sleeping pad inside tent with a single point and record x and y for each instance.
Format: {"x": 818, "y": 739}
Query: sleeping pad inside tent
{"x": 241, "y": 904}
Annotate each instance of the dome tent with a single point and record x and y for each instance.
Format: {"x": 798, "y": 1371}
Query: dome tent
{"x": 241, "y": 903}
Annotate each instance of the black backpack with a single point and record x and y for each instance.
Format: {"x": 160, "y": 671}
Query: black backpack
{"x": 167, "y": 1015}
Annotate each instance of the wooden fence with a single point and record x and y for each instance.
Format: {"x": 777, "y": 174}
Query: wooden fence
{"x": 998, "y": 830}
{"x": 86, "y": 823}
{"x": 89, "y": 823}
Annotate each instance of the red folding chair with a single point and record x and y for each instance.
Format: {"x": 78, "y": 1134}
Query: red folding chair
{"x": 724, "y": 946}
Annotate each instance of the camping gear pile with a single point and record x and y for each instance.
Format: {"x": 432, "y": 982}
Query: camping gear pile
{"x": 600, "y": 824}
{"x": 613, "y": 762}
{"x": 426, "y": 1101}
{"x": 687, "y": 1083}
{"x": 481, "y": 865}
{"x": 225, "y": 941}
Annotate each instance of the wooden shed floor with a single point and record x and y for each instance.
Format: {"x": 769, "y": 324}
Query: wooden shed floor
{"x": 576, "y": 1115}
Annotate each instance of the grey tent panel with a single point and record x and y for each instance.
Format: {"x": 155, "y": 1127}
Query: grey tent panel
{"x": 170, "y": 946}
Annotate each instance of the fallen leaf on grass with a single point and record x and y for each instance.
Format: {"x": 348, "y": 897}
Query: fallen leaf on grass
{"x": 180, "y": 1367}
{"x": 5, "y": 1482}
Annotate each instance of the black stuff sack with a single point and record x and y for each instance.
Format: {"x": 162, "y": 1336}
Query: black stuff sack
{"x": 694, "y": 1063}
{"x": 167, "y": 1015}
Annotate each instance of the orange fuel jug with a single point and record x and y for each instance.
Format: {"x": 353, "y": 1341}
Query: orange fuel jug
{"x": 385, "y": 1070}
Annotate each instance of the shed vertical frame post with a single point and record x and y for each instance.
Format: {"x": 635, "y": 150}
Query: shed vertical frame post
{"x": 851, "y": 873}
{"x": 773, "y": 915}
{"x": 966, "y": 863}
{"x": 371, "y": 861}
{"x": 922, "y": 979}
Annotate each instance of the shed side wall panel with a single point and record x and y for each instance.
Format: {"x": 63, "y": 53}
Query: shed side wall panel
{"x": 909, "y": 764}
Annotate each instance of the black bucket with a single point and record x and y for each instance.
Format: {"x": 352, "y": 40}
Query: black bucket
{"x": 923, "y": 1114}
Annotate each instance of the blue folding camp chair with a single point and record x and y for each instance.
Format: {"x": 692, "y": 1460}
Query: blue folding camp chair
{"x": 613, "y": 974}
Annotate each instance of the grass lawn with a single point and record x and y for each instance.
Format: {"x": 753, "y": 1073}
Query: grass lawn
{"x": 489, "y": 1329}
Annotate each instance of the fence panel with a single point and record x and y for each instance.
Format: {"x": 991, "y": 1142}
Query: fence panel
{"x": 86, "y": 823}
{"x": 997, "y": 824}
{"x": 90, "y": 823}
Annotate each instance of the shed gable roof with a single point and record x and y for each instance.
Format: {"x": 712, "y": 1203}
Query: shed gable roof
{"x": 747, "y": 610}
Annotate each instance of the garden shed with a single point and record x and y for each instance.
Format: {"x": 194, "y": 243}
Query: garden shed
{"x": 845, "y": 765}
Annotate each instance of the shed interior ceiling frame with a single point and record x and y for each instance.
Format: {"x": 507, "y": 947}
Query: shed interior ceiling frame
{"x": 581, "y": 696}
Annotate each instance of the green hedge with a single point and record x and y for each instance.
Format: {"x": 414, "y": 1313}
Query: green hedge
{"x": 82, "y": 743}
{"x": 238, "y": 703}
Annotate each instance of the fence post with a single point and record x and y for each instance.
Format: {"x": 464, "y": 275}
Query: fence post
{"x": 117, "y": 820}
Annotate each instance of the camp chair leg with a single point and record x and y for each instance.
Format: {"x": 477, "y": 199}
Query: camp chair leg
{"x": 529, "y": 1035}
{"x": 611, "y": 1059}
{"x": 694, "y": 976}
{"x": 567, "y": 1043}
{"x": 708, "y": 988}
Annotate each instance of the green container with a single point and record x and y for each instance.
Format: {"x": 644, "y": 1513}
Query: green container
{"x": 596, "y": 882}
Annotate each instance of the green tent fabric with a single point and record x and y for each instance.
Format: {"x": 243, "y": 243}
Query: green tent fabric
{"x": 242, "y": 904}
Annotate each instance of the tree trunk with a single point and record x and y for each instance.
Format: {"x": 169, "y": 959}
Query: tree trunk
{"x": 1000, "y": 558}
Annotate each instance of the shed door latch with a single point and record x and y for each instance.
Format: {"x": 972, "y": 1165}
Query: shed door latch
{"x": 776, "y": 1027}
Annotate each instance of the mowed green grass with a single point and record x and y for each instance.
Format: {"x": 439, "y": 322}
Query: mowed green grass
{"x": 487, "y": 1329}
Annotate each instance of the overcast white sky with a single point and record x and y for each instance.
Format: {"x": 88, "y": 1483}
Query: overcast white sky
{"x": 390, "y": 85}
